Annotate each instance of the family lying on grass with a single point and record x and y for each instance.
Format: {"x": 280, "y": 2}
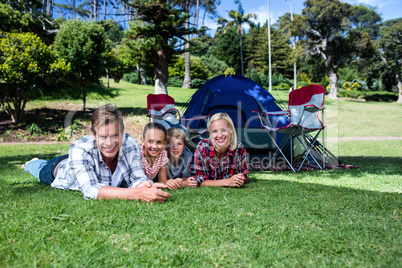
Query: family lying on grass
{"x": 110, "y": 163}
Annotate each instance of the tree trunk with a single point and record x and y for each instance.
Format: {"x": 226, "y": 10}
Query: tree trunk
{"x": 196, "y": 15}
{"x": 398, "y": 78}
{"x": 161, "y": 73}
{"x": 74, "y": 9}
{"x": 84, "y": 97}
{"x": 143, "y": 76}
{"x": 187, "y": 66}
{"x": 187, "y": 69}
{"x": 333, "y": 80}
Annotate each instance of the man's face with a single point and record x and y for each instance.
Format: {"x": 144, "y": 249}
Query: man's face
{"x": 109, "y": 140}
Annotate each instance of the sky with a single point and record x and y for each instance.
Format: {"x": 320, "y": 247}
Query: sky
{"x": 388, "y": 9}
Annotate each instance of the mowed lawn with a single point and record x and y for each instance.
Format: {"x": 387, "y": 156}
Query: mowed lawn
{"x": 334, "y": 218}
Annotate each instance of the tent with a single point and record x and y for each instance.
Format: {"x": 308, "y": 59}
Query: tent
{"x": 238, "y": 96}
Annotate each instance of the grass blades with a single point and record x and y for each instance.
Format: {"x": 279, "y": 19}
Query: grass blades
{"x": 334, "y": 218}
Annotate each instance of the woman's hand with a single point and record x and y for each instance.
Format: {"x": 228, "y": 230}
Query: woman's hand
{"x": 190, "y": 182}
{"x": 236, "y": 180}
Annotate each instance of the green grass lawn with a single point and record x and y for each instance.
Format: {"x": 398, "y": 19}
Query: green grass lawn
{"x": 335, "y": 218}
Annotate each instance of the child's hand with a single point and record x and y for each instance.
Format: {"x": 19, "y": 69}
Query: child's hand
{"x": 174, "y": 184}
{"x": 190, "y": 182}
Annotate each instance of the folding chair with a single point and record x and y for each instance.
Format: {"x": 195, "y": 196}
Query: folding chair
{"x": 304, "y": 107}
{"x": 161, "y": 108}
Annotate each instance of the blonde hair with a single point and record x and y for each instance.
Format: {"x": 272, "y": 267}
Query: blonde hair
{"x": 226, "y": 117}
{"x": 177, "y": 133}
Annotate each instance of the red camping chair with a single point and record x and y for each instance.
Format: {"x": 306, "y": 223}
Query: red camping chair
{"x": 161, "y": 108}
{"x": 304, "y": 107}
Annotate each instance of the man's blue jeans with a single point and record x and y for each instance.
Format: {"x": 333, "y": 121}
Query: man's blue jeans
{"x": 43, "y": 170}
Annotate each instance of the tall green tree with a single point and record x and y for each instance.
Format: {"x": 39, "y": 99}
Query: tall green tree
{"x": 256, "y": 50}
{"x": 26, "y": 66}
{"x": 327, "y": 33}
{"x": 365, "y": 18}
{"x": 238, "y": 19}
{"x": 86, "y": 47}
{"x": 164, "y": 24}
{"x": 391, "y": 44}
{"x": 227, "y": 49}
{"x": 27, "y": 16}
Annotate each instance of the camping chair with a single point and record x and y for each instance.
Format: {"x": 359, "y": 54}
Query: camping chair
{"x": 161, "y": 108}
{"x": 305, "y": 105}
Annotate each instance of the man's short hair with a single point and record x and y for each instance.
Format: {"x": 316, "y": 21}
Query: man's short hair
{"x": 105, "y": 115}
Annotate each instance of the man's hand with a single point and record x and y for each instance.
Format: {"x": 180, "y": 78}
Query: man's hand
{"x": 153, "y": 193}
{"x": 144, "y": 184}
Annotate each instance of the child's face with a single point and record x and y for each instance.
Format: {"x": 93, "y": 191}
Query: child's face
{"x": 154, "y": 142}
{"x": 175, "y": 148}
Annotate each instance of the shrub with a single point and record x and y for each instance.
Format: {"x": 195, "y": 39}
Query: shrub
{"x": 131, "y": 77}
{"x": 196, "y": 83}
{"x": 215, "y": 67}
{"x": 356, "y": 86}
{"x": 347, "y": 86}
{"x": 346, "y": 93}
{"x": 197, "y": 70}
{"x": 304, "y": 78}
{"x": 381, "y": 96}
{"x": 264, "y": 80}
{"x": 369, "y": 95}
{"x": 282, "y": 86}
{"x": 175, "y": 81}
{"x": 34, "y": 130}
{"x": 255, "y": 76}
{"x": 229, "y": 71}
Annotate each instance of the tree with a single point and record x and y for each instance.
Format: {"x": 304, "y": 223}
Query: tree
{"x": 28, "y": 16}
{"x": 391, "y": 43}
{"x": 164, "y": 25}
{"x": 256, "y": 50}
{"x": 227, "y": 49}
{"x": 239, "y": 18}
{"x": 26, "y": 65}
{"x": 85, "y": 46}
{"x": 365, "y": 18}
{"x": 204, "y": 47}
{"x": 327, "y": 34}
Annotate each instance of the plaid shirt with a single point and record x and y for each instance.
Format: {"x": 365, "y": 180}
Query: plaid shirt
{"x": 86, "y": 171}
{"x": 160, "y": 161}
{"x": 206, "y": 167}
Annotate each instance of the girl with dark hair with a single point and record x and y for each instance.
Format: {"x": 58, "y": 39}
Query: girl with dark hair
{"x": 153, "y": 153}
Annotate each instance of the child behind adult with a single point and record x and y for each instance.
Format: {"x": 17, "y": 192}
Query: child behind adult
{"x": 153, "y": 154}
{"x": 178, "y": 167}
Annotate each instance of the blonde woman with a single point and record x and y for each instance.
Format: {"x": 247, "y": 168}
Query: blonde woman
{"x": 221, "y": 160}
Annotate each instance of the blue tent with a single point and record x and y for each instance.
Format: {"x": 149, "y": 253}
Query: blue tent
{"x": 238, "y": 96}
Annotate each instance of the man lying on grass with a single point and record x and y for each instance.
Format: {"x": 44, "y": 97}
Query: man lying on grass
{"x": 104, "y": 165}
